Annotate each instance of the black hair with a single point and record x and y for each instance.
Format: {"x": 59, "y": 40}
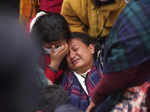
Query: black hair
{"x": 50, "y": 27}
{"x": 85, "y": 38}
{"x": 52, "y": 97}
{"x": 98, "y": 3}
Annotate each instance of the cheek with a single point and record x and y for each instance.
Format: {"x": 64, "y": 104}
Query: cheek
{"x": 83, "y": 53}
{"x": 68, "y": 60}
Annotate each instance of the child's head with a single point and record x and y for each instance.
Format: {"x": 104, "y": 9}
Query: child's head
{"x": 81, "y": 52}
{"x": 50, "y": 28}
{"x": 67, "y": 108}
{"x": 52, "y": 97}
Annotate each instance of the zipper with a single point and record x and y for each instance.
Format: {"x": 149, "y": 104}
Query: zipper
{"x": 97, "y": 15}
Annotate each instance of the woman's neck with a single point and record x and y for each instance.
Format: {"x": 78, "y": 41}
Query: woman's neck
{"x": 84, "y": 69}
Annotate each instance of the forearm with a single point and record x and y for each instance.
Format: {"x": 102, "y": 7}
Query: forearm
{"x": 112, "y": 82}
{"x": 52, "y": 74}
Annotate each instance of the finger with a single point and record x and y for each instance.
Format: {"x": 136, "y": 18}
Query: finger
{"x": 66, "y": 45}
{"x": 52, "y": 49}
{"x": 62, "y": 52}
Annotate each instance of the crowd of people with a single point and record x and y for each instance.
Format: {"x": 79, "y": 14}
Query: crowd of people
{"x": 77, "y": 56}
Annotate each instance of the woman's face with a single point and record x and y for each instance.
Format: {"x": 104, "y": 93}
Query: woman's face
{"x": 80, "y": 56}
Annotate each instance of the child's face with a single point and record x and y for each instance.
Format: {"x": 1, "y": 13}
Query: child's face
{"x": 80, "y": 56}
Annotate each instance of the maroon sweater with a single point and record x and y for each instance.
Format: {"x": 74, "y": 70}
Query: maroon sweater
{"x": 111, "y": 82}
{"x": 51, "y": 5}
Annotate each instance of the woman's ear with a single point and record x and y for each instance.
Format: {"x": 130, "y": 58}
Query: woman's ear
{"x": 91, "y": 48}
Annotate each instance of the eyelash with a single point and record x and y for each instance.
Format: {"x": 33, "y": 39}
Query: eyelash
{"x": 75, "y": 49}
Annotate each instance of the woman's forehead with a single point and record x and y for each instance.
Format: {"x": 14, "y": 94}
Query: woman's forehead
{"x": 75, "y": 41}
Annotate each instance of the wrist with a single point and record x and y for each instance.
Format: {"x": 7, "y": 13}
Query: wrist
{"x": 55, "y": 64}
{"x": 54, "y": 69}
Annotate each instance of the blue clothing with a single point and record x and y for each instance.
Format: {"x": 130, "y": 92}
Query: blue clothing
{"x": 128, "y": 43}
{"x": 77, "y": 95}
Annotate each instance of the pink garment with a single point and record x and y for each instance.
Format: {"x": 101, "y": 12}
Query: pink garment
{"x": 51, "y": 5}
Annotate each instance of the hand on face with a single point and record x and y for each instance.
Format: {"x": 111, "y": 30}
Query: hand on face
{"x": 58, "y": 52}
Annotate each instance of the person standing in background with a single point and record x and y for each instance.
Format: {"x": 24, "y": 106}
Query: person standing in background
{"x": 51, "y": 5}
{"x": 28, "y": 9}
{"x": 94, "y": 17}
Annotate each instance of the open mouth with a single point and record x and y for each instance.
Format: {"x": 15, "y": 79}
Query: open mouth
{"x": 75, "y": 61}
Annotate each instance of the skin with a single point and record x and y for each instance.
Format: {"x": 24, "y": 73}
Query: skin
{"x": 90, "y": 107}
{"x": 59, "y": 49}
{"x": 80, "y": 56}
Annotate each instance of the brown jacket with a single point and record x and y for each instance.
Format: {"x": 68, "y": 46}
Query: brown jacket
{"x": 82, "y": 16}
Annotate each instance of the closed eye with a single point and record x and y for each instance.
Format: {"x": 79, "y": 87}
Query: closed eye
{"x": 75, "y": 48}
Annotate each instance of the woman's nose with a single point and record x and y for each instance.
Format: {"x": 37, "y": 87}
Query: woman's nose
{"x": 71, "y": 54}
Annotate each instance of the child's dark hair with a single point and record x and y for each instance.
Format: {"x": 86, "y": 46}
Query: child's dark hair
{"x": 51, "y": 97}
{"x": 50, "y": 27}
{"x": 67, "y": 108}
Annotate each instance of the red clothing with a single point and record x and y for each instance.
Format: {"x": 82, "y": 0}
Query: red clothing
{"x": 51, "y": 5}
{"x": 28, "y": 26}
{"x": 111, "y": 82}
{"x": 50, "y": 74}
{"x": 47, "y": 6}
